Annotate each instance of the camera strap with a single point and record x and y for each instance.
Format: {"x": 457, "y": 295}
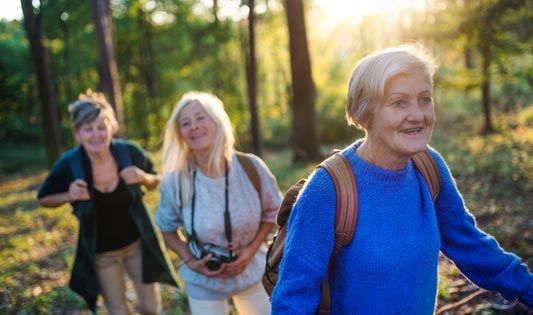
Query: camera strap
{"x": 227, "y": 218}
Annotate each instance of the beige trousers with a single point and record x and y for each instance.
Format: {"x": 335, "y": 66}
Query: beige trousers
{"x": 110, "y": 267}
{"x": 252, "y": 301}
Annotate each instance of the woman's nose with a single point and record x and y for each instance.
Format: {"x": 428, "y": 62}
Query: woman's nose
{"x": 415, "y": 112}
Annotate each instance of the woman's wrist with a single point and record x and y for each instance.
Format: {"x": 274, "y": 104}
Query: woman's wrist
{"x": 187, "y": 261}
{"x": 150, "y": 180}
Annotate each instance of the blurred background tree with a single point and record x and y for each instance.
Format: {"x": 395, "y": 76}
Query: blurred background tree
{"x": 252, "y": 55}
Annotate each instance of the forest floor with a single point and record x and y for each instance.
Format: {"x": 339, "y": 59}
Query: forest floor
{"x": 37, "y": 244}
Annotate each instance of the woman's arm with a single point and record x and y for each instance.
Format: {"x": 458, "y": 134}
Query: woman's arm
{"x": 133, "y": 175}
{"x": 308, "y": 248}
{"x": 142, "y": 172}
{"x": 477, "y": 254}
{"x": 55, "y": 200}
{"x": 78, "y": 190}
{"x": 174, "y": 242}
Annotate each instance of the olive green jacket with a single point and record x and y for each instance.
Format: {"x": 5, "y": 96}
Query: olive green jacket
{"x": 156, "y": 266}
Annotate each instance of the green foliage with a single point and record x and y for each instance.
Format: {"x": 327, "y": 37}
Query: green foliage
{"x": 21, "y": 158}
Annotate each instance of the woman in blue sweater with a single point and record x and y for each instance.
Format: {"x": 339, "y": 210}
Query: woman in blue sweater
{"x": 390, "y": 267}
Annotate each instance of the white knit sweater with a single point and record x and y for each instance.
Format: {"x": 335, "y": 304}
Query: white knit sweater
{"x": 246, "y": 215}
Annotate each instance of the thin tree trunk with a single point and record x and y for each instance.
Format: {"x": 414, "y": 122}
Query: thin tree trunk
{"x": 252, "y": 81}
{"x": 215, "y": 10}
{"x": 486, "y": 60}
{"x": 217, "y": 54}
{"x": 47, "y": 95}
{"x": 485, "y": 96}
{"x": 109, "y": 79}
{"x": 147, "y": 69}
{"x": 66, "y": 60}
{"x": 304, "y": 128}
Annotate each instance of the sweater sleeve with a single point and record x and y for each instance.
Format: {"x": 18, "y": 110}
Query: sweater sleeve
{"x": 58, "y": 180}
{"x": 167, "y": 214}
{"x": 308, "y": 247}
{"x": 140, "y": 158}
{"x": 477, "y": 254}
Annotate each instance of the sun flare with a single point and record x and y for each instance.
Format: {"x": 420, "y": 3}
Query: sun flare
{"x": 358, "y": 9}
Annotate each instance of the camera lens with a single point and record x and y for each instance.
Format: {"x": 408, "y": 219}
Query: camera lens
{"x": 213, "y": 265}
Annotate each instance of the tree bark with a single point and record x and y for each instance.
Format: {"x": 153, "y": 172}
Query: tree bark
{"x": 304, "y": 127}
{"x": 486, "y": 38}
{"x": 109, "y": 80}
{"x": 252, "y": 81}
{"x": 47, "y": 95}
{"x": 485, "y": 94}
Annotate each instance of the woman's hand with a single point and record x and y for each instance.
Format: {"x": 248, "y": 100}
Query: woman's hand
{"x": 200, "y": 266}
{"x": 132, "y": 175}
{"x": 78, "y": 190}
{"x": 244, "y": 255}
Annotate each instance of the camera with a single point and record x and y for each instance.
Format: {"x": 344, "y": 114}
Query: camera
{"x": 219, "y": 254}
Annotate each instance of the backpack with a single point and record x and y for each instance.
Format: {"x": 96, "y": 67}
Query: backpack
{"x": 340, "y": 170}
{"x": 249, "y": 168}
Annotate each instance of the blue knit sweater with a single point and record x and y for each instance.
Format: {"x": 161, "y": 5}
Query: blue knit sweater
{"x": 391, "y": 265}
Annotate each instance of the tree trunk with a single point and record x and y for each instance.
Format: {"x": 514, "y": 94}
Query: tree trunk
{"x": 304, "y": 128}
{"x": 148, "y": 67}
{"x": 67, "y": 80}
{"x": 215, "y": 10}
{"x": 486, "y": 37}
{"x": 47, "y": 95}
{"x": 108, "y": 72}
{"x": 252, "y": 81}
{"x": 485, "y": 94}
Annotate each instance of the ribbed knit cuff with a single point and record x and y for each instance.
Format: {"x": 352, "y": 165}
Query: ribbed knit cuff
{"x": 527, "y": 296}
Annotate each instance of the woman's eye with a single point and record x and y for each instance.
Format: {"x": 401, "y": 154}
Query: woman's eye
{"x": 398, "y": 103}
{"x": 426, "y": 100}
{"x": 184, "y": 124}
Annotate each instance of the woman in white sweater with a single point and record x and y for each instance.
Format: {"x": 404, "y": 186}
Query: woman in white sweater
{"x": 226, "y": 208}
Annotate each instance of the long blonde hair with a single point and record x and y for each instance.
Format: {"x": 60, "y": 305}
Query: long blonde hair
{"x": 178, "y": 159}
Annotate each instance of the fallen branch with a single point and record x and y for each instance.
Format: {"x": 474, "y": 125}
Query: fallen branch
{"x": 465, "y": 300}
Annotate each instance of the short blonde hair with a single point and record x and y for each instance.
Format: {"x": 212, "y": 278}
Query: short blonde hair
{"x": 89, "y": 106}
{"x": 366, "y": 86}
{"x": 177, "y": 156}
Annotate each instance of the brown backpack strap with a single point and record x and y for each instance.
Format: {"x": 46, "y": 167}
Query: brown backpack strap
{"x": 425, "y": 164}
{"x": 251, "y": 171}
{"x": 346, "y": 214}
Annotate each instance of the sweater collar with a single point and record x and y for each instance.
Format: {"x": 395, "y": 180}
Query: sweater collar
{"x": 373, "y": 172}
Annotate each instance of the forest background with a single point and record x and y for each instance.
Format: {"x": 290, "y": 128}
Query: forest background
{"x": 281, "y": 70}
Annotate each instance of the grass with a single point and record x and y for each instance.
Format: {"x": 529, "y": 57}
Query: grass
{"x": 37, "y": 245}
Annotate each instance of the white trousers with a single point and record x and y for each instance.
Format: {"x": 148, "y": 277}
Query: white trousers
{"x": 252, "y": 301}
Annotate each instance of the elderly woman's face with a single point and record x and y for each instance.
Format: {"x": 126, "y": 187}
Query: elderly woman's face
{"x": 95, "y": 136}
{"x": 197, "y": 127}
{"x": 401, "y": 126}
